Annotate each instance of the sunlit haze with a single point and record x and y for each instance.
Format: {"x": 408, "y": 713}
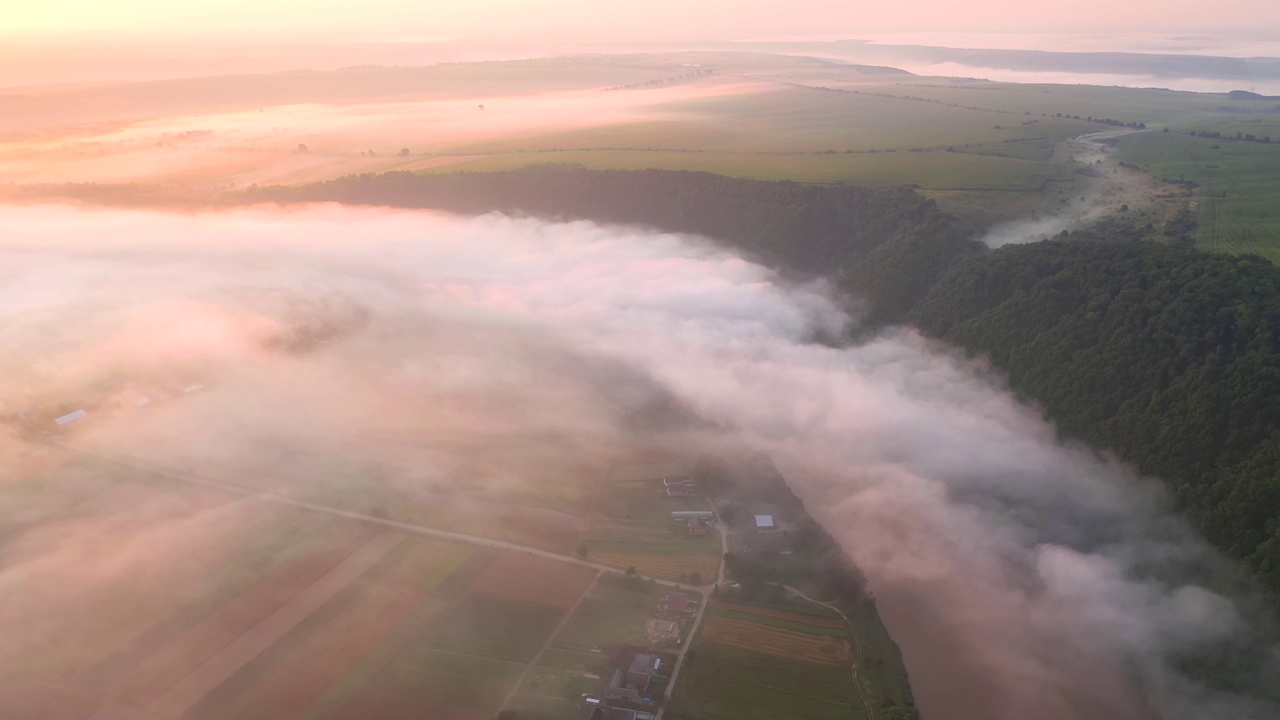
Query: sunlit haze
{"x": 627, "y": 19}
{"x": 639, "y": 360}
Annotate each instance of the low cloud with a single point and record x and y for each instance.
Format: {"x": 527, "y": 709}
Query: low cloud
{"x": 355, "y": 353}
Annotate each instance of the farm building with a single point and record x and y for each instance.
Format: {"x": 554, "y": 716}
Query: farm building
{"x": 676, "y": 480}
{"x": 631, "y": 680}
{"x": 660, "y": 630}
{"x": 693, "y": 515}
{"x": 682, "y": 490}
{"x": 677, "y": 602}
{"x": 764, "y": 523}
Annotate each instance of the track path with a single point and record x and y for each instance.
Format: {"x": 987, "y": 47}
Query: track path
{"x": 697, "y": 620}
{"x": 200, "y": 682}
{"x": 857, "y": 648}
{"x": 550, "y": 639}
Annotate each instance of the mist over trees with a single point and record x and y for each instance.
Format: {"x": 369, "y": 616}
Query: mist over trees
{"x": 885, "y": 246}
{"x": 1170, "y": 357}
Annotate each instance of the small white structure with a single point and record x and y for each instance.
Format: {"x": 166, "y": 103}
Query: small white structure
{"x": 765, "y": 522}
{"x": 70, "y": 417}
{"x": 192, "y": 388}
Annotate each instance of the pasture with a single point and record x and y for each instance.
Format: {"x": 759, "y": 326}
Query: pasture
{"x": 1238, "y": 193}
{"x": 720, "y": 681}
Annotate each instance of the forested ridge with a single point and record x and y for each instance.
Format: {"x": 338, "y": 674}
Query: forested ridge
{"x": 891, "y": 244}
{"x": 1168, "y": 356}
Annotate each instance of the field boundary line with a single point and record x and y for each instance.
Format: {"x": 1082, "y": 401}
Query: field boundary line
{"x": 857, "y": 649}
{"x": 231, "y": 487}
{"x": 227, "y": 662}
{"x": 550, "y": 639}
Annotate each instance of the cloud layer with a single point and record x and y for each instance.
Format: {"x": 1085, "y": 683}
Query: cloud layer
{"x": 1022, "y": 577}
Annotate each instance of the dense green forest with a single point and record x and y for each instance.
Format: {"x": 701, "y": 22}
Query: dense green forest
{"x": 1168, "y": 356}
{"x": 890, "y": 244}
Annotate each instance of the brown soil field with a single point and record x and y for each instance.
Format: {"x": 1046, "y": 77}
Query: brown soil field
{"x": 188, "y": 691}
{"x": 371, "y": 706}
{"x": 817, "y": 649}
{"x": 663, "y": 567}
{"x": 783, "y": 615}
{"x": 161, "y": 671}
{"x": 47, "y": 701}
{"x": 311, "y": 668}
{"x": 534, "y": 580}
{"x": 293, "y": 686}
{"x": 530, "y": 532}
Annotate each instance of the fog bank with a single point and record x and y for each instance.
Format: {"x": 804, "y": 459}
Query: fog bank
{"x": 1022, "y": 577}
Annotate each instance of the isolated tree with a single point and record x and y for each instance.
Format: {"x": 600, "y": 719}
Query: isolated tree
{"x": 404, "y": 152}
{"x": 631, "y": 570}
{"x": 302, "y": 148}
{"x": 695, "y": 577}
{"x": 582, "y": 550}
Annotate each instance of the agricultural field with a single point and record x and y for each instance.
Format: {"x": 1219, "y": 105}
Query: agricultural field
{"x": 531, "y": 492}
{"x": 1237, "y": 201}
{"x": 750, "y": 662}
{"x": 931, "y": 169}
{"x": 613, "y": 613}
{"x": 787, "y": 657}
{"x": 758, "y": 116}
{"x": 257, "y": 610}
{"x": 792, "y": 640}
{"x": 631, "y": 525}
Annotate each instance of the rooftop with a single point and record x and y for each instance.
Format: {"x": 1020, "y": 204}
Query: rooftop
{"x": 764, "y": 521}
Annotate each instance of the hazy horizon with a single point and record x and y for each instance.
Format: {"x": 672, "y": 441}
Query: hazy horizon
{"x": 656, "y": 19}
{"x": 388, "y": 359}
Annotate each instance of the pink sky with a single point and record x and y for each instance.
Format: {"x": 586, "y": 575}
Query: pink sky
{"x": 629, "y": 19}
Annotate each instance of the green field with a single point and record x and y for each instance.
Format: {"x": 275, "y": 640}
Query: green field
{"x": 990, "y": 151}
{"x": 938, "y": 170}
{"x": 723, "y": 682}
{"x": 494, "y": 628}
{"x": 633, "y": 517}
{"x": 613, "y": 613}
{"x": 1238, "y": 198}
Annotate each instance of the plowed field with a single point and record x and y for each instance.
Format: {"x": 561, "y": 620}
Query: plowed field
{"x": 817, "y": 649}
{"x": 803, "y": 619}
